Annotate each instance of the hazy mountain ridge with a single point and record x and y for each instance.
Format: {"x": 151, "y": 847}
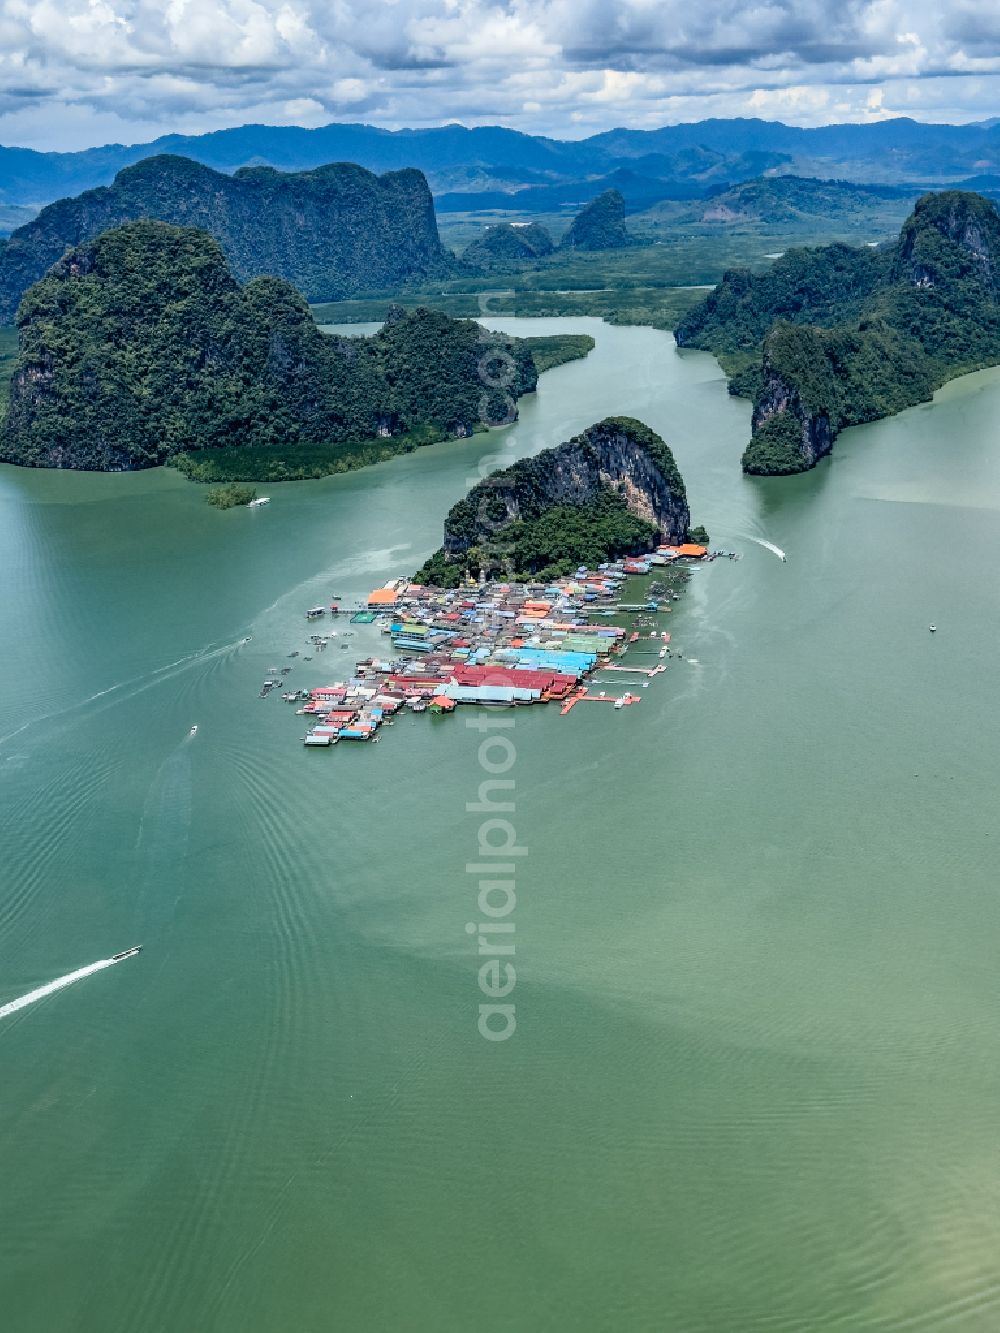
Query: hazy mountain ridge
{"x": 458, "y": 159}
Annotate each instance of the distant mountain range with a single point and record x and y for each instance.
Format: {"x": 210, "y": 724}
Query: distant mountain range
{"x": 638, "y": 190}
{"x": 478, "y": 161}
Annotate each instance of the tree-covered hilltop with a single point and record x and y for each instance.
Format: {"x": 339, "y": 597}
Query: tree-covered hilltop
{"x": 834, "y": 337}
{"x": 822, "y": 285}
{"x": 331, "y": 232}
{"x": 613, "y": 490}
{"x": 299, "y": 460}
{"x": 503, "y": 246}
{"x": 817, "y": 381}
{"x": 600, "y": 226}
{"x": 789, "y": 199}
{"x": 141, "y": 344}
{"x": 555, "y": 543}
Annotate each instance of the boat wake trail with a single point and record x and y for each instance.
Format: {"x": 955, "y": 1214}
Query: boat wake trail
{"x": 128, "y": 689}
{"x": 59, "y": 984}
{"x": 162, "y": 843}
{"x": 769, "y": 546}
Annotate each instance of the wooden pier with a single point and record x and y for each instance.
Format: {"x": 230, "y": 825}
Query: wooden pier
{"x": 584, "y": 698}
{"x": 641, "y": 671}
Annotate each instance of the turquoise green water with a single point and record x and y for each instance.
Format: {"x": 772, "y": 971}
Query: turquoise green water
{"x": 755, "y": 1079}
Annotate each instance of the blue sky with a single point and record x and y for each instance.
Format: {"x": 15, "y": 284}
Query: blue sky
{"x": 82, "y": 72}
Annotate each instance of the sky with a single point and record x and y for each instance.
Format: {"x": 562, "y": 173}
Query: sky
{"x": 76, "y": 73}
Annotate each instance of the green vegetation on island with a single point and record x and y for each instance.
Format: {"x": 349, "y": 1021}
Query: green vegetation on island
{"x": 776, "y": 448}
{"x": 332, "y": 231}
{"x": 307, "y": 462}
{"x": 231, "y": 496}
{"x": 842, "y": 336}
{"x": 8, "y": 359}
{"x": 297, "y": 462}
{"x": 557, "y": 349}
{"x": 599, "y": 226}
{"x": 141, "y": 345}
{"x": 555, "y": 543}
{"x": 611, "y": 491}
{"x": 502, "y": 244}
{"x": 822, "y": 286}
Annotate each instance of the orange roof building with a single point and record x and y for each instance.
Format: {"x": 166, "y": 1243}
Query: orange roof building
{"x": 689, "y": 549}
{"x": 383, "y": 597}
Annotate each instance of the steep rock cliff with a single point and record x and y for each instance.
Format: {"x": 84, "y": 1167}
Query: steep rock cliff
{"x": 614, "y": 490}
{"x": 619, "y": 454}
{"x": 792, "y": 413}
{"x": 330, "y": 232}
{"x": 816, "y": 382}
{"x": 949, "y": 237}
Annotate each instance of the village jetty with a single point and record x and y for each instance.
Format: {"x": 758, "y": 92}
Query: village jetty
{"x": 504, "y": 645}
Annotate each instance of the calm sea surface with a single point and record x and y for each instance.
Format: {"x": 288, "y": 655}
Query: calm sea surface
{"x": 755, "y": 1083}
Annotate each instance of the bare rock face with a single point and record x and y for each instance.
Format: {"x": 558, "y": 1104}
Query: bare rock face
{"x": 778, "y": 396}
{"x": 797, "y": 409}
{"x": 619, "y": 454}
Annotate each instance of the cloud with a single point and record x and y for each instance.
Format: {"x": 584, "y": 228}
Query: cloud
{"x": 76, "y": 72}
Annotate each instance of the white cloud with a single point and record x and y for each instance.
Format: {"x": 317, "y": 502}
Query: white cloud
{"x": 74, "y": 72}
{"x": 304, "y": 111}
{"x": 346, "y": 91}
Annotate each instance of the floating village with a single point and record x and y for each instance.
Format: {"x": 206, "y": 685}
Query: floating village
{"x": 496, "y": 645}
